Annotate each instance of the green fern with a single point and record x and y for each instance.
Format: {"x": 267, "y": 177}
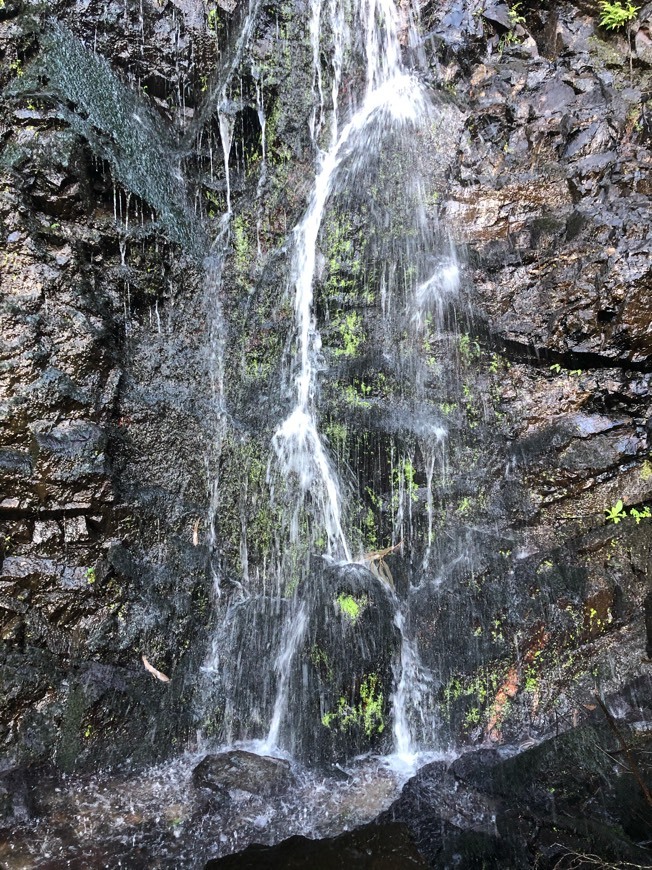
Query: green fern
{"x": 617, "y": 14}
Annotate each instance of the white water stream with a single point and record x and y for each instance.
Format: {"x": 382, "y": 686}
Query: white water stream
{"x": 393, "y": 98}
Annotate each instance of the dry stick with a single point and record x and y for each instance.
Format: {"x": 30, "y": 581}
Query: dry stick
{"x": 380, "y": 554}
{"x": 633, "y": 766}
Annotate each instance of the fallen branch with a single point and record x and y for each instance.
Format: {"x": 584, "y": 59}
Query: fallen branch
{"x": 380, "y": 554}
{"x": 580, "y": 860}
{"x": 158, "y": 674}
{"x": 378, "y": 566}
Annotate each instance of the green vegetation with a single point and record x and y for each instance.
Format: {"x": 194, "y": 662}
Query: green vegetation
{"x": 640, "y": 515}
{"x": 214, "y": 208}
{"x": 351, "y": 333}
{"x": 404, "y": 473}
{"x": 344, "y": 264}
{"x": 469, "y": 349}
{"x": 350, "y": 606}
{"x": 369, "y": 530}
{"x": 355, "y": 394}
{"x": 515, "y": 16}
{"x": 511, "y": 37}
{"x": 472, "y": 717}
{"x": 557, "y": 369}
{"x": 321, "y": 661}
{"x": 367, "y": 715}
{"x": 90, "y": 575}
{"x": 336, "y": 433}
{"x": 213, "y": 22}
{"x": 480, "y": 686}
{"x": 617, "y": 14}
{"x": 464, "y": 506}
{"x": 617, "y": 513}
{"x": 241, "y": 247}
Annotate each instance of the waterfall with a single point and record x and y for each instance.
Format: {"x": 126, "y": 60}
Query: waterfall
{"x": 393, "y": 98}
{"x": 294, "y": 657}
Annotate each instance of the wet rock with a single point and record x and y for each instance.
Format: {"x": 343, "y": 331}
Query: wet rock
{"x": 535, "y": 807}
{"x": 243, "y": 771}
{"x": 45, "y": 531}
{"x": 370, "y": 848}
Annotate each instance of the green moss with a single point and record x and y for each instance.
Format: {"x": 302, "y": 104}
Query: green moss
{"x": 479, "y": 687}
{"x": 369, "y": 530}
{"x": 242, "y": 249}
{"x": 351, "y": 333}
{"x": 355, "y": 394}
{"x": 351, "y": 606}
{"x": 245, "y": 504}
{"x": 345, "y": 247}
{"x": 336, "y": 434}
{"x": 469, "y": 350}
{"x": 404, "y": 474}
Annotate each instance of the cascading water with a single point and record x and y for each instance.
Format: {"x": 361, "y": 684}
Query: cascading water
{"x": 393, "y": 103}
{"x": 312, "y": 656}
{"x": 393, "y": 98}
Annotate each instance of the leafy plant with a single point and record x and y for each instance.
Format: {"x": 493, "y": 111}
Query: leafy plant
{"x": 616, "y": 513}
{"x": 641, "y": 515}
{"x": 368, "y": 714}
{"x": 617, "y": 14}
{"x": 469, "y": 349}
{"x": 515, "y": 16}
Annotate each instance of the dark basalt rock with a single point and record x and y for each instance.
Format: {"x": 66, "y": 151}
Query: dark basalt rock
{"x": 243, "y": 771}
{"x": 375, "y": 847}
{"x": 571, "y": 794}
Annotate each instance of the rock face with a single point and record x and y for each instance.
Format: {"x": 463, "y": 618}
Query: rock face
{"x": 145, "y": 371}
{"x": 103, "y": 400}
{"x": 372, "y": 847}
{"x": 545, "y": 807}
{"x": 243, "y": 771}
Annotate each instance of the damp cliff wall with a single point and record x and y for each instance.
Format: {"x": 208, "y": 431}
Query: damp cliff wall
{"x": 112, "y": 192}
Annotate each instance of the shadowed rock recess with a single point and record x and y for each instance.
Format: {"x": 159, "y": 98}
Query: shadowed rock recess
{"x": 471, "y": 394}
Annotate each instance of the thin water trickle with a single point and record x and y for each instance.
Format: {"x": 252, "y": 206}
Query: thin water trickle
{"x": 295, "y": 633}
{"x": 214, "y": 265}
{"x": 226, "y": 135}
{"x": 433, "y": 293}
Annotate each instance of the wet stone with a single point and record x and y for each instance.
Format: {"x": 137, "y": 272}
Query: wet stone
{"x": 44, "y": 531}
{"x": 370, "y": 848}
{"x": 243, "y": 771}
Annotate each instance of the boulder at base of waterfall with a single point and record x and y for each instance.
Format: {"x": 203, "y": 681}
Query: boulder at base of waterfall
{"x": 245, "y": 771}
{"x": 548, "y": 807}
{"x": 369, "y": 848}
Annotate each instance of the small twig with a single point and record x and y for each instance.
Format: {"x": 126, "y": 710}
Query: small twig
{"x": 581, "y": 859}
{"x": 380, "y": 554}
